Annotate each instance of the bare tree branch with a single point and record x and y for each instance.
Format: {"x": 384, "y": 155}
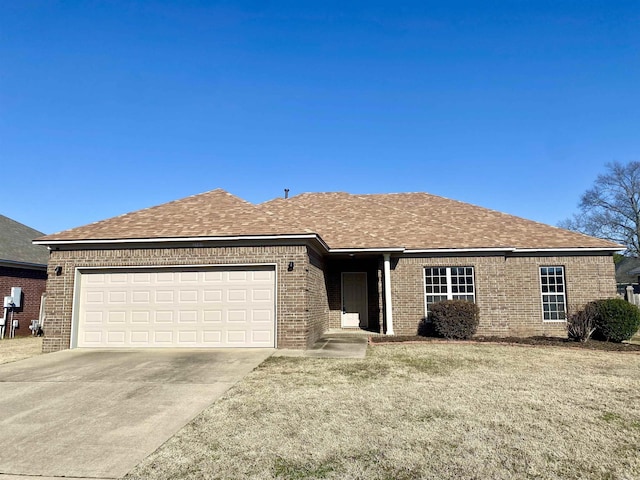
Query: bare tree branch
{"x": 610, "y": 209}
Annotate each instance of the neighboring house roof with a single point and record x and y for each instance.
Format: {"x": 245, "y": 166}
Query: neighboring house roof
{"x": 16, "y": 246}
{"x": 628, "y": 270}
{"x": 412, "y": 221}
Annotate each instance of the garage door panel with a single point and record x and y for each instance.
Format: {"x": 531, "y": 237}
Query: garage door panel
{"x": 212, "y": 316}
{"x": 163, "y": 337}
{"x": 164, "y": 296}
{"x": 116, "y": 337}
{"x": 261, "y": 295}
{"x": 141, "y": 317}
{"x": 94, "y": 317}
{"x": 174, "y": 308}
{"x": 163, "y": 316}
{"x": 237, "y": 276}
{"x": 212, "y": 277}
{"x": 187, "y": 336}
{"x": 261, "y": 316}
{"x": 117, "y": 278}
{"x": 141, "y": 296}
{"x": 116, "y": 317}
{"x": 118, "y": 296}
{"x": 212, "y": 296}
{"x": 236, "y": 337}
{"x": 187, "y": 316}
{"x": 260, "y": 335}
{"x": 164, "y": 277}
{"x": 92, "y": 338}
{"x": 188, "y": 277}
{"x": 212, "y": 337}
{"x": 188, "y": 296}
{"x": 95, "y": 297}
{"x": 262, "y": 275}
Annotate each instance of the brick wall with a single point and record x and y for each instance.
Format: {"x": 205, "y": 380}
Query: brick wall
{"x": 292, "y": 289}
{"x": 33, "y": 284}
{"x": 309, "y": 296}
{"x": 318, "y": 299}
{"x": 507, "y": 290}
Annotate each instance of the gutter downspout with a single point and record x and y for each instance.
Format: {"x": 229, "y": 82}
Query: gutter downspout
{"x": 388, "y": 308}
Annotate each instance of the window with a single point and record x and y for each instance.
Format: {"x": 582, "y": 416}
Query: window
{"x": 554, "y": 304}
{"x": 448, "y": 283}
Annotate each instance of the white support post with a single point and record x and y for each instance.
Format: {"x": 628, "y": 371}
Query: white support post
{"x": 388, "y": 308}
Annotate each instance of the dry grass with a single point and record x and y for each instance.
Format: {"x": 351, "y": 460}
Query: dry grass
{"x": 19, "y": 348}
{"x": 419, "y": 411}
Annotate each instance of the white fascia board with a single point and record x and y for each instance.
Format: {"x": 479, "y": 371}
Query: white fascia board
{"x": 367, "y": 250}
{"x": 460, "y": 250}
{"x": 516, "y": 250}
{"x": 569, "y": 249}
{"x": 311, "y": 236}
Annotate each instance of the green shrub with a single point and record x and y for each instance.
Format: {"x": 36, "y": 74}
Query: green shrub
{"x": 454, "y": 318}
{"x": 616, "y": 320}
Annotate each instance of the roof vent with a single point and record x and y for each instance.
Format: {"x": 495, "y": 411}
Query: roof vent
{"x": 286, "y": 193}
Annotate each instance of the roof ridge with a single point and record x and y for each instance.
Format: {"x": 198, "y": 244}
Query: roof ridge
{"x": 291, "y": 200}
{"x": 413, "y": 220}
{"x": 154, "y": 207}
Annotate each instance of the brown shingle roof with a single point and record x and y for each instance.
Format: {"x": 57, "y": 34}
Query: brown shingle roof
{"x": 342, "y": 220}
{"x": 421, "y": 221}
{"x": 210, "y": 214}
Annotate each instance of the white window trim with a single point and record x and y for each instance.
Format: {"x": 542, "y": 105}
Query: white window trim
{"x": 449, "y": 289}
{"x": 563, "y": 293}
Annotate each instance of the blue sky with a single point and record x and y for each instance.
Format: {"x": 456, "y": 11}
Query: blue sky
{"x": 112, "y": 106}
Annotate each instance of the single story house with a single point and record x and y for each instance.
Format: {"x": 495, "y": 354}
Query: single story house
{"x": 213, "y": 270}
{"x": 23, "y": 272}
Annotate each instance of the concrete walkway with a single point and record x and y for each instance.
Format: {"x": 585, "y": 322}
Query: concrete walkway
{"x": 332, "y": 345}
{"x": 97, "y": 414}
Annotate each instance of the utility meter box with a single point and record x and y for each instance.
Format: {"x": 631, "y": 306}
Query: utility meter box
{"x": 16, "y": 293}
{"x": 8, "y": 301}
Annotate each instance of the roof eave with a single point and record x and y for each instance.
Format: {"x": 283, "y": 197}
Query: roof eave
{"x": 19, "y": 264}
{"x": 570, "y": 249}
{"x": 368, "y": 250}
{"x": 317, "y": 238}
{"x": 154, "y": 240}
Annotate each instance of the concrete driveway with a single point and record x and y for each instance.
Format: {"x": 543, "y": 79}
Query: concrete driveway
{"x": 96, "y": 414}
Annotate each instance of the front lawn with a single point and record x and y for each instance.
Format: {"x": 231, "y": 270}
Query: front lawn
{"x": 19, "y": 348}
{"x": 433, "y": 410}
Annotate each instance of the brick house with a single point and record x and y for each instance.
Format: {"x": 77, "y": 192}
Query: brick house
{"x": 23, "y": 266}
{"x": 215, "y": 270}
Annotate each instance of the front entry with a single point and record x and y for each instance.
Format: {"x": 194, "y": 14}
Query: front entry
{"x": 355, "y": 313}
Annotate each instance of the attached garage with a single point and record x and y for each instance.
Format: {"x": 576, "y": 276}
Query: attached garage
{"x": 175, "y": 307}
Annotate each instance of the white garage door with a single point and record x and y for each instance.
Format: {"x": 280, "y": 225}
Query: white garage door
{"x": 177, "y": 308}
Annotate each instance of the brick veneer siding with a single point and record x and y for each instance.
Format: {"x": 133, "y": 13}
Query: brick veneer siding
{"x": 317, "y": 299}
{"x": 507, "y": 290}
{"x": 33, "y": 284}
{"x": 292, "y": 303}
